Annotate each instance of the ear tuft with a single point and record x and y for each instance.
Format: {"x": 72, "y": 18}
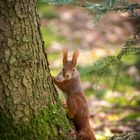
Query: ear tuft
{"x": 65, "y": 55}
{"x": 75, "y": 57}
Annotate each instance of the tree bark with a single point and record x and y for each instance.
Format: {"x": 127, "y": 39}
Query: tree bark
{"x": 127, "y": 136}
{"x": 29, "y": 104}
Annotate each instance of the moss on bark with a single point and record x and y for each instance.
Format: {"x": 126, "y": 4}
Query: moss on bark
{"x": 29, "y": 105}
{"x": 47, "y": 125}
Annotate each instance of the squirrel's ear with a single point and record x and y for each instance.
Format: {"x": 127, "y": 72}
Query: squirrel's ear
{"x": 65, "y": 55}
{"x": 75, "y": 57}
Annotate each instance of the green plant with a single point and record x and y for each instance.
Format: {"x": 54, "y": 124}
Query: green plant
{"x": 99, "y": 9}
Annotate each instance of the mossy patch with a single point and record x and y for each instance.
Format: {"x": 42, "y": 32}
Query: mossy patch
{"x": 49, "y": 124}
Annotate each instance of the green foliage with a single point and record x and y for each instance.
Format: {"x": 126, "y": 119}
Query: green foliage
{"x": 50, "y": 34}
{"x": 110, "y": 3}
{"x": 50, "y": 124}
{"x": 131, "y": 117}
{"x": 100, "y": 8}
{"x": 46, "y": 11}
{"x": 128, "y": 49}
{"x": 103, "y": 65}
{"x": 58, "y": 2}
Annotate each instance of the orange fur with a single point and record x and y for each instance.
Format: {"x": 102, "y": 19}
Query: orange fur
{"x": 68, "y": 81}
{"x": 65, "y": 55}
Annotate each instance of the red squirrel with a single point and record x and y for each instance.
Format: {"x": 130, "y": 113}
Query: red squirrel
{"x": 68, "y": 80}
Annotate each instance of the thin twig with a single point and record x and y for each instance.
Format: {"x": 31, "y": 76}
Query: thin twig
{"x": 110, "y": 9}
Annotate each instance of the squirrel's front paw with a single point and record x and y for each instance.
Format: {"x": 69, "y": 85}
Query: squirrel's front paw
{"x": 53, "y": 78}
{"x": 69, "y": 115}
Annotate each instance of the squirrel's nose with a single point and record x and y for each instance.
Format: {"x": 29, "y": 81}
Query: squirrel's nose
{"x": 68, "y": 76}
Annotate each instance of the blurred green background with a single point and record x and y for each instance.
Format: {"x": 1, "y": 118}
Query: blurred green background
{"x": 114, "y": 97}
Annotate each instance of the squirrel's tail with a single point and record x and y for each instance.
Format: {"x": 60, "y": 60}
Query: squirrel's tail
{"x": 86, "y": 133}
{"x": 82, "y": 135}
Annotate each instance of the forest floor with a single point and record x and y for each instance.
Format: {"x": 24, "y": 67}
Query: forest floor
{"x": 113, "y": 109}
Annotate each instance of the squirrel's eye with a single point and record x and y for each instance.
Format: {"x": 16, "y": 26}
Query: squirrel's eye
{"x": 73, "y": 69}
{"x": 63, "y": 69}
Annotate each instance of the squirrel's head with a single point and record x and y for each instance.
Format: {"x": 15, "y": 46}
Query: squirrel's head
{"x": 69, "y": 66}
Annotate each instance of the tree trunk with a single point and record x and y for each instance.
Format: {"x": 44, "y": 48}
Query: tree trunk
{"x": 29, "y": 104}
